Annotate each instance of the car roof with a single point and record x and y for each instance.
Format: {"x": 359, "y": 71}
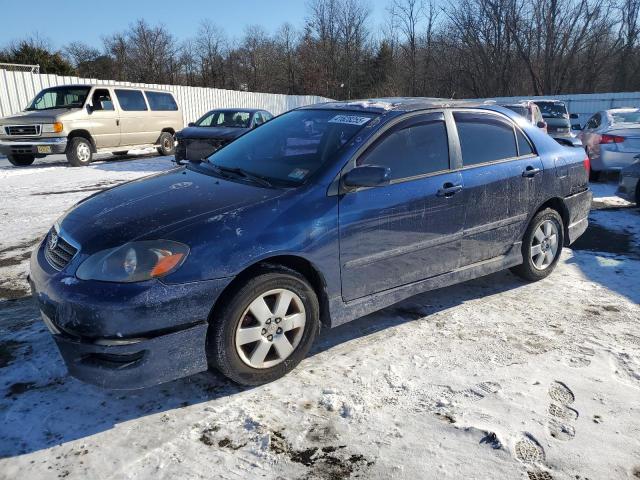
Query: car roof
{"x": 120, "y": 87}
{"x": 397, "y": 104}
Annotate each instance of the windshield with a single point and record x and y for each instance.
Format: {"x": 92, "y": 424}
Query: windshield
{"x": 520, "y": 110}
{"x": 626, "y": 117}
{"x": 233, "y": 119}
{"x": 60, "y": 97}
{"x": 553, "y": 109}
{"x": 291, "y": 147}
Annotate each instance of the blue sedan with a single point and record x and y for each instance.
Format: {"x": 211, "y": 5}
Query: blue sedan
{"x": 320, "y": 216}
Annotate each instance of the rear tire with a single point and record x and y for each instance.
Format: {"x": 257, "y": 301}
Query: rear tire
{"x": 255, "y": 348}
{"x": 79, "y": 152}
{"x": 21, "y": 160}
{"x": 541, "y": 246}
{"x": 167, "y": 144}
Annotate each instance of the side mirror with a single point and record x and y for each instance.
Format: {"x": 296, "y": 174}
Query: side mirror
{"x": 541, "y": 124}
{"x": 576, "y": 127}
{"x": 191, "y": 124}
{"x": 367, "y": 176}
{"x": 89, "y": 108}
{"x": 573, "y": 115}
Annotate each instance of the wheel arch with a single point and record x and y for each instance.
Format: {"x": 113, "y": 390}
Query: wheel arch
{"x": 296, "y": 263}
{"x": 165, "y": 130}
{"x": 557, "y": 204}
{"x": 84, "y": 134}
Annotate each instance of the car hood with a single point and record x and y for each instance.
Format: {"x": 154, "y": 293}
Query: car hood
{"x": 153, "y": 207}
{"x": 211, "y": 132}
{"x": 34, "y": 116}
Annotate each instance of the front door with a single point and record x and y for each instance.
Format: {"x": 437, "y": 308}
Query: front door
{"x": 104, "y": 119}
{"x": 410, "y": 229}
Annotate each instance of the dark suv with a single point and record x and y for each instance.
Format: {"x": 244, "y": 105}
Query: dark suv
{"x": 320, "y": 216}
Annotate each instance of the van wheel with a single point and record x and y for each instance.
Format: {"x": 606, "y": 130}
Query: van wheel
{"x": 21, "y": 160}
{"x": 265, "y": 328}
{"x": 79, "y": 152}
{"x": 541, "y": 246}
{"x": 167, "y": 144}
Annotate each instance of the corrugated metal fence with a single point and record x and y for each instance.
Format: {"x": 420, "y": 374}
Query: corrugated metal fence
{"x": 586, "y": 105}
{"x": 17, "y": 89}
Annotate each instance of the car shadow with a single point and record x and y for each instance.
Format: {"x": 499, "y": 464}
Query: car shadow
{"x": 42, "y": 406}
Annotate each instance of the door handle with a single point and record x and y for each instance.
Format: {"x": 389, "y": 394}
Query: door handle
{"x": 530, "y": 172}
{"x": 449, "y": 190}
{"x": 117, "y": 122}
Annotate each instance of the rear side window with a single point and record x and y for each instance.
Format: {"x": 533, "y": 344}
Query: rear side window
{"x": 131, "y": 100}
{"x": 415, "y": 149}
{"x": 162, "y": 102}
{"x": 524, "y": 147}
{"x": 484, "y": 138}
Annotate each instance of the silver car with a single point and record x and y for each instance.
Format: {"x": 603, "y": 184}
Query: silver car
{"x": 629, "y": 186}
{"x": 612, "y": 139}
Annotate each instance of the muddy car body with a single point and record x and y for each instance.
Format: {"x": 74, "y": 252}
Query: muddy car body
{"x": 323, "y": 215}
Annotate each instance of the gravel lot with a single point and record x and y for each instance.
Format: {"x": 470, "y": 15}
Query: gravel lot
{"x": 494, "y": 378}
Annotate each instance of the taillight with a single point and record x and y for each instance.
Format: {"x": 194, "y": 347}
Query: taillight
{"x": 611, "y": 139}
{"x": 587, "y": 164}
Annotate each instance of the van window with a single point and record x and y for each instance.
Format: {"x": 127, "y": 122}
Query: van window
{"x": 416, "y": 149}
{"x": 161, "y": 102}
{"x": 484, "y": 137}
{"x": 131, "y": 100}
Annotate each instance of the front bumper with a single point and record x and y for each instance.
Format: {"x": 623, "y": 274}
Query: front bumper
{"x": 125, "y": 336}
{"x": 578, "y": 206}
{"x": 40, "y": 146}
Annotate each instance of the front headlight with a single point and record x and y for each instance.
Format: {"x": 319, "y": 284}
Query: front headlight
{"x": 134, "y": 262}
{"x": 56, "y": 127}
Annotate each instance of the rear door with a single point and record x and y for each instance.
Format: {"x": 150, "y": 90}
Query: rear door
{"x": 408, "y": 230}
{"x": 497, "y": 194}
{"x": 136, "y": 125}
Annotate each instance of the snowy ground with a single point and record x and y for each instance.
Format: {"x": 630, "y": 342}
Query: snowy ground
{"x": 494, "y": 378}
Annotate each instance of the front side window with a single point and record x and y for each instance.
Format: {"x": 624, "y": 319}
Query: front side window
{"x": 415, "y": 148}
{"x": 162, "y": 102}
{"x": 131, "y": 100}
{"x": 101, "y": 100}
{"x": 60, "y": 97}
{"x": 484, "y": 138}
{"x": 289, "y": 149}
{"x": 594, "y": 122}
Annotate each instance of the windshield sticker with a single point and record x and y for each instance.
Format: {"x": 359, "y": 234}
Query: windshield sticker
{"x": 298, "y": 173}
{"x": 350, "y": 119}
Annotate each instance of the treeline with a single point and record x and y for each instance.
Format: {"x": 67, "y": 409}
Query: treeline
{"x": 467, "y": 48}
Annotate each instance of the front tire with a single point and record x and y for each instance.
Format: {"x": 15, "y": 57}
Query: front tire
{"x": 21, "y": 160}
{"x": 265, "y": 328}
{"x": 541, "y": 246}
{"x": 167, "y": 144}
{"x": 79, "y": 152}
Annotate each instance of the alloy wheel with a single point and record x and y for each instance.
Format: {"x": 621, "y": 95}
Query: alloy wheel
{"x": 270, "y": 328}
{"x": 544, "y": 245}
{"x": 84, "y": 152}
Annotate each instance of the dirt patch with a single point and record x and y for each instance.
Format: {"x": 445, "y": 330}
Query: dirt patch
{"x": 600, "y": 239}
{"x": 20, "y": 246}
{"x": 13, "y": 293}
{"x": 19, "y": 388}
{"x": 17, "y": 260}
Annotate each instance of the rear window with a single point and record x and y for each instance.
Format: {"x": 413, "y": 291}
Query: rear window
{"x": 484, "y": 137}
{"x": 131, "y": 100}
{"x": 626, "y": 117}
{"x": 161, "y": 102}
{"x": 553, "y": 109}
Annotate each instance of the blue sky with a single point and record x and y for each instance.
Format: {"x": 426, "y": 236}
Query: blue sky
{"x": 71, "y": 20}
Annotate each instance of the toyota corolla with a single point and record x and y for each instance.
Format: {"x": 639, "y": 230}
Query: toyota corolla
{"x": 320, "y": 216}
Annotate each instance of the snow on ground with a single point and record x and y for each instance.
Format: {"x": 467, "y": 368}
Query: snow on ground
{"x": 495, "y": 378}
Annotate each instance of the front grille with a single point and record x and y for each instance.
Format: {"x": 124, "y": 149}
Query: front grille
{"x": 199, "y": 149}
{"x": 18, "y": 130}
{"x": 58, "y": 251}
